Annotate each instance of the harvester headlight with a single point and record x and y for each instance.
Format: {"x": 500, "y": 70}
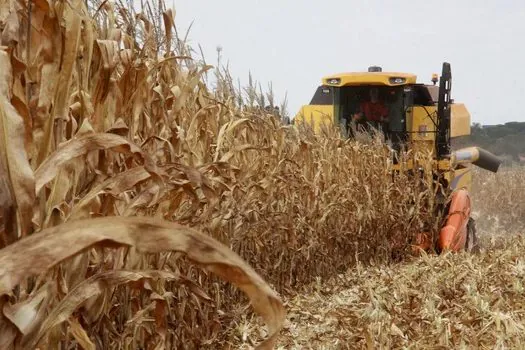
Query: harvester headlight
{"x": 334, "y": 81}
{"x": 397, "y": 80}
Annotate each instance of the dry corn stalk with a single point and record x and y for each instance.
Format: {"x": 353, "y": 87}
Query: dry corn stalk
{"x": 105, "y": 113}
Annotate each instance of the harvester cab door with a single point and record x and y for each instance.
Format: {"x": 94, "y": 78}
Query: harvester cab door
{"x": 408, "y": 110}
{"x": 389, "y": 100}
{"x": 399, "y": 100}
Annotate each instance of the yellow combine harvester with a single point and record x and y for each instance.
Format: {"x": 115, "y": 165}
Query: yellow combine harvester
{"x": 414, "y": 116}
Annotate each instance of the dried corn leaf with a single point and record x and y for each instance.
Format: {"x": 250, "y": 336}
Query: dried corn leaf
{"x": 90, "y": 288}
{"x": 12, "y": 150}
{"x": 114, "y": 185}
{"x": 45, "y": 249}
{"x": 81, "y": 146}
{"x": 80, "y": 335}
{"x": 31, "y": 312}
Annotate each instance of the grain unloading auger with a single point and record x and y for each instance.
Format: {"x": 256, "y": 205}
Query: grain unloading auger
{"x": 416, "y": 116}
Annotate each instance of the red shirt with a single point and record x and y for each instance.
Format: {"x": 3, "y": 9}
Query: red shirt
{"x": 374, "y": 111}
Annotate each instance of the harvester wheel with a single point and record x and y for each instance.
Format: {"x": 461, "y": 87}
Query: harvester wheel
{"x": 472, "y": 244}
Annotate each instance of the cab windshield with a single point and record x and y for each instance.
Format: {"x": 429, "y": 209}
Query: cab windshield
{"x": 371, "y": 107}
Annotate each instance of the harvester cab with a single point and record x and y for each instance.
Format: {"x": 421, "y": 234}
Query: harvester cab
{"x": 415, "y": 116}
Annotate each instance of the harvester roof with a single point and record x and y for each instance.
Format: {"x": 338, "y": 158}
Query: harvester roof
{"x": 370, "y": 78}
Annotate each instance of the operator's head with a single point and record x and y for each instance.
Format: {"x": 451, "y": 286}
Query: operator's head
{"x": 374, "y": 94}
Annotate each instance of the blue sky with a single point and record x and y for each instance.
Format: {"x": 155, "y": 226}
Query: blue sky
{"x": 294, "y": 43}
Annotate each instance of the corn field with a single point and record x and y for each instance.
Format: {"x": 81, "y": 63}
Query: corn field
{"x": 451, "y": 301}
{"x": 144, "y": 209}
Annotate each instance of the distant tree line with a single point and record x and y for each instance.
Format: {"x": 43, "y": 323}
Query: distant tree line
{"x": 504, "y": 140}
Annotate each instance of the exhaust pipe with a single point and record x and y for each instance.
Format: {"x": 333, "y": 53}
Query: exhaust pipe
{"x": 477, "y": 156}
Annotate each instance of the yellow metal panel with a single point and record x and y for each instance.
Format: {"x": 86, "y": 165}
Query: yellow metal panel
{"x": 442, "y": 165}
{"x": 371, "y": 78}
{"x": 420, "y": 124}
{"x": 459, "y": 120}
{"x": 315, "y": 116}
{"x": 462, "y": 178}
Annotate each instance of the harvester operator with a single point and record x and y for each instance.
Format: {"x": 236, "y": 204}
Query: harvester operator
{"x": 374, "y": 111}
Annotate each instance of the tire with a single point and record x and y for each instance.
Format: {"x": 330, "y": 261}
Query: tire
{"x": 472, "y": 244}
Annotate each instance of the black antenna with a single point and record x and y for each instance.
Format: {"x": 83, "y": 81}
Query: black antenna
{"x": 443, "y": 113}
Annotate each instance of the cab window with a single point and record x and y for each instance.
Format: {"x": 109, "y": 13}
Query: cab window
{"x": 322, "y": 97}
{"x": 379, "y": 107}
